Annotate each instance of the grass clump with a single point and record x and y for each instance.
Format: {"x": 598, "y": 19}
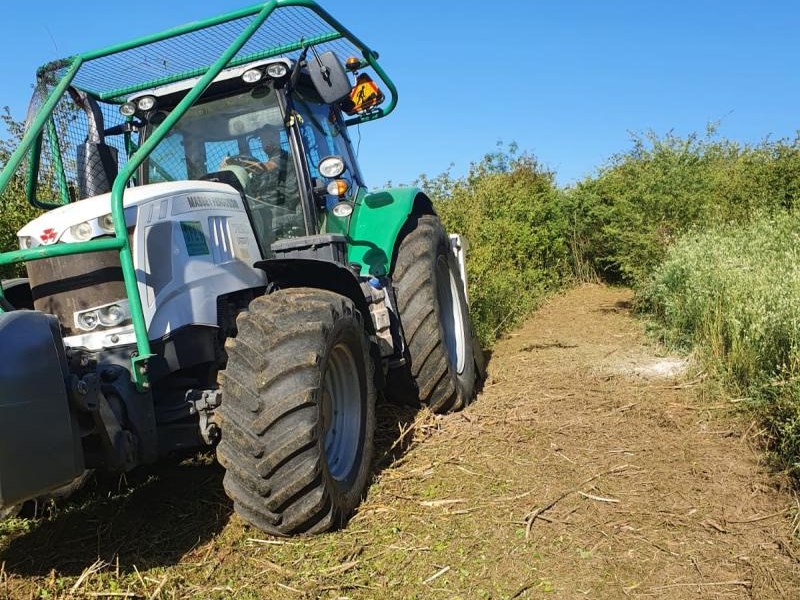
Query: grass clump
{"x": 733, "y": 293}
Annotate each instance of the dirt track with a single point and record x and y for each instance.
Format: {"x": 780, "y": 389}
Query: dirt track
{"x": 664, "y": 495}
{"x": 587, "y": 468}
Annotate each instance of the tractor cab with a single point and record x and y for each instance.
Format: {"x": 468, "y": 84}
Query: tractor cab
{"x": 263, "y": 128}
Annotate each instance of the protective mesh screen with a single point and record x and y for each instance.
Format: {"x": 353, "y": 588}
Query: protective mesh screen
{"x": 117, "y": 75}
{"x": 188, "y": 54}
{"x": 66, "y": 130}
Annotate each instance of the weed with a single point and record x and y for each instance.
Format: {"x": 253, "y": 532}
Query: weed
{"x": 732, "y": 292}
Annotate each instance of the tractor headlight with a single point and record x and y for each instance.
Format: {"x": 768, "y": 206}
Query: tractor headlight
{"x": 25, "y": 242}
{"x": 81, "y": 231}
{"x": 106, "y": 223}
{"x": 114, "y": 314}
{"x": 277, "y": 70}
{"x": 342, "y": 209}
{"x": 331, "y": 166}
{"x": 87, "y": 320}
{"x": 108, "y": 315}
{"x": 252, "y": 75}
{"x": 146, "y": 103}
{"x": 128, "y": 109}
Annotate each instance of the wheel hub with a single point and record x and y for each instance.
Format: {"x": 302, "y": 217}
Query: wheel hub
{"x": 450, "y": 314}
{"x": 341, "y": 412}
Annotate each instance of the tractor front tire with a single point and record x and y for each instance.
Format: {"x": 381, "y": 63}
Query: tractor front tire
{"x": 298, "y": 412}
{"x": 440, "y": 358}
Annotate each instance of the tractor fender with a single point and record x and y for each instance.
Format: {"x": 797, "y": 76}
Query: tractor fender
{"x": 313, "y": 273}
{"x": 376, "y": 223}
{"x": 41, "y": 438}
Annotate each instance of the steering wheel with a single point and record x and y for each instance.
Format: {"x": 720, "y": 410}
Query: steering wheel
{"x": 250, "y": 163}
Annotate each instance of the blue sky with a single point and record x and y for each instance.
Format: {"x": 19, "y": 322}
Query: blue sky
{"x": 568, "y": 80}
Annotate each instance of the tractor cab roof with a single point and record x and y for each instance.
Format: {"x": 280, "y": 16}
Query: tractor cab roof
{"x": 184, "y": 54}
{"x": 231, "y": 76}
{"x": 79, "y": 99}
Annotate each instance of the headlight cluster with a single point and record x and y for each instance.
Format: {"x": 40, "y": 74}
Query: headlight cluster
{"x": 256, "y": 74}
{"x": 80, "y": 232}
{"x": 108, "y": 315}
{"x": 142, "y": 104}
{"x": 89, "y": 229}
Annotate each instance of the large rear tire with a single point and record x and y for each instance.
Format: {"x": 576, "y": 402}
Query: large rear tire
{"x": 298, "y": 412}
{"x": 440, "y": 359}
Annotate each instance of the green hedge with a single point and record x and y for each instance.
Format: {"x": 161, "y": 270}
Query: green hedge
{"x": 509, "y": 209}
{"x": 14, "y": 208}
{"x": 628, "y": 215}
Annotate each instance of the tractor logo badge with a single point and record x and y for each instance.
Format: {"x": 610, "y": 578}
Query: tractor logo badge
{"x": 48, "y": 236}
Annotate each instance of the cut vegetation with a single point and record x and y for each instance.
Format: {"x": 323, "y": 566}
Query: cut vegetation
{"x": 567, "y": 478}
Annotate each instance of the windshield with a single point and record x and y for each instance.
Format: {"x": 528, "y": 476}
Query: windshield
{"x": 213, "y": 130}
{"x": 236, "y": 139}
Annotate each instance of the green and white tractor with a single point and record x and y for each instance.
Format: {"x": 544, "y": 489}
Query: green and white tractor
{"x": 210, "y": 270}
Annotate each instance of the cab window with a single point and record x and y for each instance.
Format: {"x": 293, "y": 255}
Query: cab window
{"x": 243, "y": 135}
{"x": 323, "y": 134}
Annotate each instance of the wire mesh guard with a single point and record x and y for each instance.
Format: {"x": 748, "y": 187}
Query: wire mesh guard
{"x": 111, "y": 79}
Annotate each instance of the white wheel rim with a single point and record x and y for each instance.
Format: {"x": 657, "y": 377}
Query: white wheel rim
{"x": 342, "y": 412}
{"x": 451, "y": 315}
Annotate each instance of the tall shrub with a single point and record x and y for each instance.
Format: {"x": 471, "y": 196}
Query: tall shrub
{"x": 15, "y": 210}
{"x": 624, "y": 219}
{"x": 508, "y": 208}
{"x": 733, "y": 293}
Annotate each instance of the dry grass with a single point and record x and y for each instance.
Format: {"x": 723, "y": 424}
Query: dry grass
{"x": 570, "y": 477}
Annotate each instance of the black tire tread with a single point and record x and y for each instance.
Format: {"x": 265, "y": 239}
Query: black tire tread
{"x": 415, "y": 288}
{"x": 268, "y": 416}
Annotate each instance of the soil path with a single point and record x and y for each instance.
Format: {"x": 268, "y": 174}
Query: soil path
{"x": 589, "y": 467}
{"x": 624, "y": 480}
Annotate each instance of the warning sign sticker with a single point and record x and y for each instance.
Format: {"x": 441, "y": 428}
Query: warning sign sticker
{"x": 365, "y": 95}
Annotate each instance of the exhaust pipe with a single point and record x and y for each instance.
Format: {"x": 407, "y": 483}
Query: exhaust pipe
{"x": 97, "y": 162}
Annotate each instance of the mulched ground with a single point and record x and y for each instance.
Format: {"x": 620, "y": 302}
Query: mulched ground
{"x": 592, "y": 465}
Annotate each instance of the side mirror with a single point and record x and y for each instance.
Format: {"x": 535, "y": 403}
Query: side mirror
{"x": 329, "y": 77}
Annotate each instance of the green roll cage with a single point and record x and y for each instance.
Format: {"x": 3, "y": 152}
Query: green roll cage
{"x": 30, "y": 146}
